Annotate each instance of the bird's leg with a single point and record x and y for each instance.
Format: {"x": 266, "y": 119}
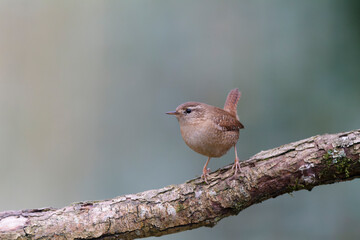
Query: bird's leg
{"x": 206, "y": 171}
{"x": 236, "y": 165}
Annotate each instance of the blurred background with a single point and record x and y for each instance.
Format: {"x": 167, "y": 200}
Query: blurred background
{"x": 84, "y": 87}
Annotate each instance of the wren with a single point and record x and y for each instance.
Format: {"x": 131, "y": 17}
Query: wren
{"x": 209, "y": 130}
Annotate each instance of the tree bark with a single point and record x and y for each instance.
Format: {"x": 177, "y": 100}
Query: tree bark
{"x": 299, "y": 165}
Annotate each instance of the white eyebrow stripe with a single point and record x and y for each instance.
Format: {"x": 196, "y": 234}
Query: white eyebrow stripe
{"x": 194, "y": 107}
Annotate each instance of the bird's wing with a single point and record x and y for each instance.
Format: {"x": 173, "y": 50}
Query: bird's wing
{"x": 226, "y": 121}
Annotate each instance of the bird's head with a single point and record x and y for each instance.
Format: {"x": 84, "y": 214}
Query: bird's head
{"x": 189, "y": 112}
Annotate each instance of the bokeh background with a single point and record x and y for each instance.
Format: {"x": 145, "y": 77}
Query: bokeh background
{"x": 84, "y": 86}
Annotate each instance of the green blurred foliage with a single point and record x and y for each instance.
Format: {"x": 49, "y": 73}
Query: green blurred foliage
{"x": 84, "y": 86}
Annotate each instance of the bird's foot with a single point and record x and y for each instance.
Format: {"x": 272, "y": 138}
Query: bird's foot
{"x": 205, "y": 174}
{"x": 236, "y": 166}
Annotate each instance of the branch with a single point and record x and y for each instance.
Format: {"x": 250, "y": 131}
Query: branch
{"x": 300, "y": 165}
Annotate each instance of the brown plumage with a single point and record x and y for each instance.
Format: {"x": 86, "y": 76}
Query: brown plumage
{"x": 231, "y": 102}
{"x": 209, "y": 130}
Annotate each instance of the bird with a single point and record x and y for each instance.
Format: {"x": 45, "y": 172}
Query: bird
{"x": 209, "y": 130}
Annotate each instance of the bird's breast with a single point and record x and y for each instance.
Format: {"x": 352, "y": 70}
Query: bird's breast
{"x": 208, "y": 139}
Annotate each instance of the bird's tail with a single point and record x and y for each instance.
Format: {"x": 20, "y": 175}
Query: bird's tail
{"x": 231, "y": 102}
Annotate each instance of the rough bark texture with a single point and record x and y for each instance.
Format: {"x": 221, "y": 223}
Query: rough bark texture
{"x": 300, "y": 165}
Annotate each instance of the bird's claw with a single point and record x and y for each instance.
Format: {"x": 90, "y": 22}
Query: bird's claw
{"x": 236, "y": 166}
{"x": 205, "y": 174}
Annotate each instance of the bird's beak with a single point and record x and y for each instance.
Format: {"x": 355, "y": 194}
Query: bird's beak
{"x": 172, "y": 113}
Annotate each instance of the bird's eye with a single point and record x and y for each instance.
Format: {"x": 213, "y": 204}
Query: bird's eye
{"x": 188, "y": 110}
